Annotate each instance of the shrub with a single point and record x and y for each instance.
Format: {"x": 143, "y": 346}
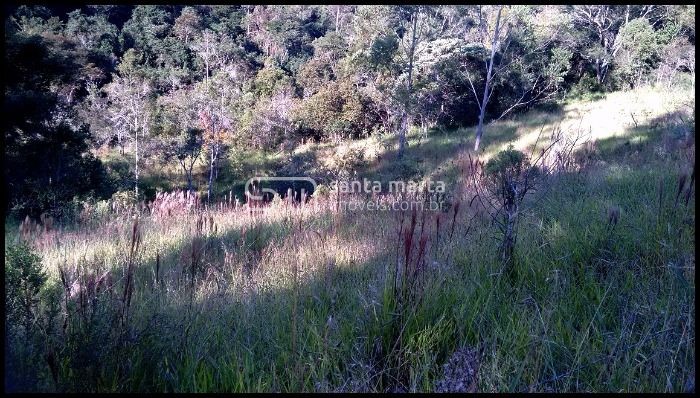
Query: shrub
{"x": 507, "y": 166}
{"x": 339, "y": 110}
{"x": 346, "y": 160}
{"x": 587, "y": 88}
{"x": 24, "y": 279}
{"x": 507, "y": 178}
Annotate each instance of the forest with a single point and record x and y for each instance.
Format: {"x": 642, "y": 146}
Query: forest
{"x": 349, "y": 198}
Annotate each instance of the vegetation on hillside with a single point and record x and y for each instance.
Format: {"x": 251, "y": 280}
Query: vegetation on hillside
{"x": 108, "y": 99}
{"x": 560, "y": 259}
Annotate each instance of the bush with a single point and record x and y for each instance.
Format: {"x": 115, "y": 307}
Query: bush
{"x": 587, "y": 88}
{"x": 508, "y": 164}
{"x": 346, "y": 160}
{"x": 23, "y": 280}
{"x": 339, "y": 110}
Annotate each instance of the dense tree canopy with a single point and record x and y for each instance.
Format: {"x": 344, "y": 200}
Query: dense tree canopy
{"x": 189, "y": 83}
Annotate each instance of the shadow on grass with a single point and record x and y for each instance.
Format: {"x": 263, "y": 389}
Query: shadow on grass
{"x": 314, "y": 335}
{"x": 265, "y": 345}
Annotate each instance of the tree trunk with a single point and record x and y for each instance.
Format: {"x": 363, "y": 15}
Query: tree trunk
{"x": 211, "y": 172}
{"x": 137, "y": 164}
{"x": 120, "y": 143}
{"x": 487, "y": 85}
{"x": 402, "y": 134}
{"x": 188, "y": 174}
{"x": 480, "y": 127}
{"x": 406, "y": 116}
{"x": 509, "y": 237}
{"x": 337, "y": 18}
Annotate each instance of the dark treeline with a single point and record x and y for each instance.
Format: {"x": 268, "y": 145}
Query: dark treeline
{"x": 188, "y": 84}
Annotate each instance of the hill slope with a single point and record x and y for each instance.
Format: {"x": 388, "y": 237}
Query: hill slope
{"x": 601, "y": 297}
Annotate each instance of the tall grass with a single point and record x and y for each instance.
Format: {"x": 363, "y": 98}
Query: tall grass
{"x": 172, "y": 296}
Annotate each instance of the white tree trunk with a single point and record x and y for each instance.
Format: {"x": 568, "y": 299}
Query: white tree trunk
{"x": 406, "y": 115}
{"x": 487, "y": 85}
{"x": 136, "y": 168}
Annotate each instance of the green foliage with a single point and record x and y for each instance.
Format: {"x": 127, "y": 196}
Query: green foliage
{"x": 587, "y": 88}
{"x": 145, "y": 31}
{"x": 270, "y": 80}
{"x": 94, "y": 32}
{"x": 36, "y": 20}
{"x": 24, "y": 278}
{"x": 337, "y": 110}
{"x": 639, "y": 50}
{"x": 381, "y": 53}
{"x": 506, "y": 166}
{"x": 315, "y": 75}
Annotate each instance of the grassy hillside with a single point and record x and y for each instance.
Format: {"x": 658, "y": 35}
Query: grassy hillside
{"x": 290, "y": 298}
{"x": 614, "y": 118}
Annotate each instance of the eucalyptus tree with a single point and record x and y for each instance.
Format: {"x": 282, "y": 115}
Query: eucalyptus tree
{"x": 518, "y": 54}
{"x": 130, "y": 106}
{"x": 216, "y": 100}
{"x": 181, "y": 136}
{"x": 396, "y": 33}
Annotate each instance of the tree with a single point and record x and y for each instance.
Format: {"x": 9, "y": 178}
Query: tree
{"x": 206, "y": 49}
{"x": 639, "y": 47}
{"x": 269, "y": 120}
{"x": 177, "y": 127}
{"x": 601, "y": 25}
{"x": 145, "y": 31}
{"x": 94, "y": 32}
{"x": 35, "y": 20}
{"x": 337, "y": 110}
{"x": 392, "y": 57}
{"x": 187, "y": 24}
{"x": 532, "y": 66}
{"x": 216, "y": 99}
{"x": 499, "y": 35}
{"x": 186, "y": 148}
{"x": 341, "y": 15}
{"x": 414, "y": 14}
{"x": 129, "y": 106}
{"x": 47, "y": 159}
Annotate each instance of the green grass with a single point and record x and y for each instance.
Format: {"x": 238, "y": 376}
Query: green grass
{"x": 302, "y": 299}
